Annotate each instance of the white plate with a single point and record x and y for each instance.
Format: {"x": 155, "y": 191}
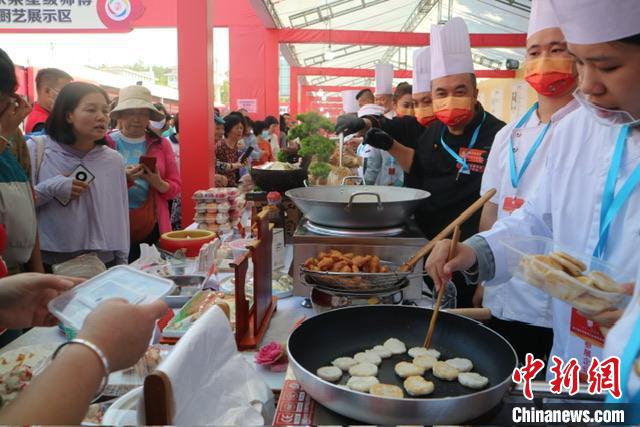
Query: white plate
{"x": 124, "y": 411}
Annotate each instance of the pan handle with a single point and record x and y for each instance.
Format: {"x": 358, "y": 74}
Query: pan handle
{"x": 365, "y": 193}
{"x": 355, "y": 177}
{"x": 477, "y": 314}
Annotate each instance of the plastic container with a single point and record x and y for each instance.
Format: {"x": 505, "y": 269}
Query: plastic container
{"x": 201, "y": 208}
{"x": 580, "y": 292}
{"x": 73, "y": 306}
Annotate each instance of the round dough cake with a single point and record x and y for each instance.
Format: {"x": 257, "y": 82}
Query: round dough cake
{"x": 386, "y": 390}
{"x": 344, "y": 363}
{"x": 444, "y": 371}
{"x": 418, "y": 386}
{"x": 363, "y": 370}
{"x": 407, "y": 369}
{"x": 362, "y": 384}
{"x": 329, "y": 373}
{"x": 425, "y": 362}
{"x": 368, "y": 357}
{"x": 472, "y": 380}
{"x": 395, "y": 346}
{"x": 462, "y": 365}
{"x": 382, "y": 351}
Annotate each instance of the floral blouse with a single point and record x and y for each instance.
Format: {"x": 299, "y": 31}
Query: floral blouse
{"x": 225, "y": 157}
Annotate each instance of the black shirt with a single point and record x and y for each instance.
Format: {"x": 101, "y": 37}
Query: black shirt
{"x": 435, "y": 170}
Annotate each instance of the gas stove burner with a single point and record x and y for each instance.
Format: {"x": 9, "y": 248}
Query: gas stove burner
{"x": 352, "y": 232}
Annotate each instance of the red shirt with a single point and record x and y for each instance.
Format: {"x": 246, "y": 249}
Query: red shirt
{"x": 38, "y": 115}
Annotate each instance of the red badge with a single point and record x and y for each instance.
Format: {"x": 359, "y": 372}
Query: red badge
{"x": 512, "y": 204}
{"x": 586, "y": 329}
{"x": 476, "y": 159}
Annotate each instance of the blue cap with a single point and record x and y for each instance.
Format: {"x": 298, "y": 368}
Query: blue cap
{"x": 219, "y": 120}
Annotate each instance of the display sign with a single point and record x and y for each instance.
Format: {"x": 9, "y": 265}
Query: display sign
{"x": 69, "y": 15}
{"x": 251, "y": 105}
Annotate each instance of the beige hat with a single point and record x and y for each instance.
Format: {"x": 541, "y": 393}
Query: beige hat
{"x": 136, "y": 97}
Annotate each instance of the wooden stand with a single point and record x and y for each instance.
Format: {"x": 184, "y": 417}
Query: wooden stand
{"x": 289, "y": 215}
{"x": 252, "y": 322}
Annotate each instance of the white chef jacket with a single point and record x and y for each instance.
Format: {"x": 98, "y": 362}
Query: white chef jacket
{"x": 391, "y": 114}
{"x": 567, "y": 209}
{"x": 515, "y": 299}
{"x": 619, "y": 336}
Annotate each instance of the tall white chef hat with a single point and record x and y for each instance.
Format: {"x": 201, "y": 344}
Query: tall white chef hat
{"x": 349, "y": 101}
{"x": 384, "y": 79}
{"x": 542, "y": 17}
{"x": 597, "y": 21}
{"x": 422, "y": 70}
{"x": 450, "y": 49}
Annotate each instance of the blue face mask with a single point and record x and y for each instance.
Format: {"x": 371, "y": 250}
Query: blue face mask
{"x": 265, "y": 134}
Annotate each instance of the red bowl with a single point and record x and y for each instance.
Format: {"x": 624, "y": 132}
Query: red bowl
{"x": 190, "y": 240}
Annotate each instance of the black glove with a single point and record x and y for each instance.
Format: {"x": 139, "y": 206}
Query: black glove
{"x": 349, "y": 124}
{"x": 378, "y": 138}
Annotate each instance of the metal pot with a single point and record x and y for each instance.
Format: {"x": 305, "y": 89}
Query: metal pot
{"x": 357, "y": 206}
{"x": 344, "y": 332}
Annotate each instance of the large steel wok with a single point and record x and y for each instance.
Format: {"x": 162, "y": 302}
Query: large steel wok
{"x": 344, "y": 332}
{"x": 357, "y": 206}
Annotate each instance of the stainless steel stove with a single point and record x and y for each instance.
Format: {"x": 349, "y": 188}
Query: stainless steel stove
{"x": 396, "y": 245}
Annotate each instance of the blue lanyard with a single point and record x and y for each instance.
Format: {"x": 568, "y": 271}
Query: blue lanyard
{"x": 515, "y": 176}
{"x": 611, "y": 203}
{"x": 626, "y": 366}
{"x": 463, "y": 162}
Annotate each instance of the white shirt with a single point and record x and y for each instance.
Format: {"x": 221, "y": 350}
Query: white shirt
{"x": 515, "y": 299}
{"x": 619, "y": 336}
{"x": 567, "y": 209}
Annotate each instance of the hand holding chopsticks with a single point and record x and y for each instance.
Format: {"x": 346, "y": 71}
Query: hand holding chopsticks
{"x": 436, "y": 307}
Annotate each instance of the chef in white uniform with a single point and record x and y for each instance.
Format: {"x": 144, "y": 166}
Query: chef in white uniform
{"x": 589, "y": 198}
{"x": 422, "y": 100}
{"x": 522, "y": 313}
{"x": 384, "y": 89}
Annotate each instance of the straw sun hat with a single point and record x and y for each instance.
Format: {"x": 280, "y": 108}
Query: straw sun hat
{"x": 136, "y": 97}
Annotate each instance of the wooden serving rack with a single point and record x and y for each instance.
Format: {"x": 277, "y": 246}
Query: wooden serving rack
{"x": 252, "y": 322}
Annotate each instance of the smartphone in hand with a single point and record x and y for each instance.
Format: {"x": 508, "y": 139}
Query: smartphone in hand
{"x": 149, "y": 162}
{"x": 244, "y": 156}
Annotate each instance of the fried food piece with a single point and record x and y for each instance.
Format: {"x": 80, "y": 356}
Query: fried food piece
{"x": 546, "y": 262}
{"x": 444, "y": 371}
{"x": 395, "y": 346}
{"x": 325, "y": 264}
{"x": 418, "y": 351}
{"x": 418, "y": 386}
{"x": 561, "y": 286}
{"x": 374, "y": 265}
{"x": 362, "y": 384}
{"x": 472, "y": 380}
{"x": 385, "y": 269}
{"x": 386, "y": 390}
{"x": 348, "y": 255}
{"x": 570, "y": 265}
{"x": 339, "y": 266}
{"x": 382, "y": 351}
{"x": 363, "y": 370}
{"x": 329, "y": 373}
{"x": 345, "y": 269}
{"x": 590, "y": 304}
{"x": 355, "y": 269}
{"x": 344, "y": 363}
{"x": 360, "y": 260}
{"x": 604, "y": 283}
{"x": 309, "y": 262}
{"x": 368, "y": 357}
{"x": 407, "y": 369}
{"x": 462, "y": 365}
{"x": 425, "y": 361}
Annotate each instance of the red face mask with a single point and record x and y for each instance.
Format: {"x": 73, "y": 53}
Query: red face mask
{"x": 403, "y": 112}
{"x": 454, "y": 110}
{"x": 425, "y": 115}
{"x": 550, "y": 76}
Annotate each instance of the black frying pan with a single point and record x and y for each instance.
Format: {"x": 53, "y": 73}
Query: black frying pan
{"x": 344, "y": 332}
